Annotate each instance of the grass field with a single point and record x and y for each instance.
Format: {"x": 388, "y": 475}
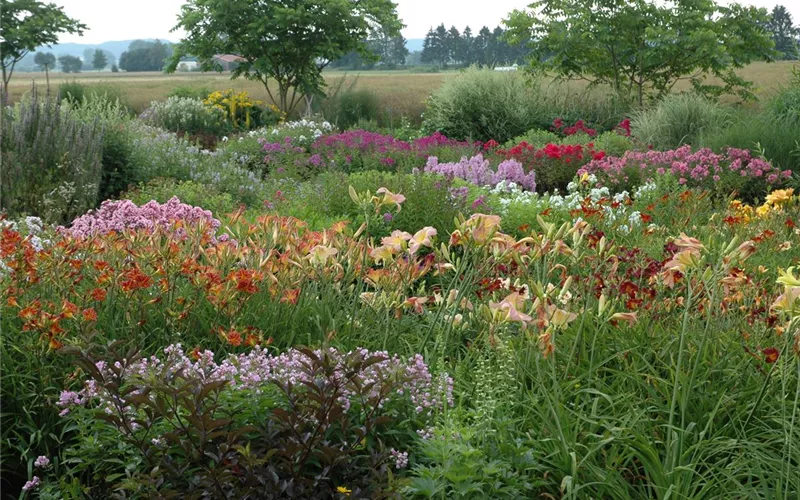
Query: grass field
{"x": 402, "y": 92}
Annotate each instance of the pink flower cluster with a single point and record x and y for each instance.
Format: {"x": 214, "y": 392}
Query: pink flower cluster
{"x": 117, "y": 216}
{"x": 478, "y": 171}
{"x": 686, "y": 165}
{"x": 254, "y": 370}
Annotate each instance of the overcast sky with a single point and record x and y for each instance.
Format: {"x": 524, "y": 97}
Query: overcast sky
{"x": 128, "y": 19}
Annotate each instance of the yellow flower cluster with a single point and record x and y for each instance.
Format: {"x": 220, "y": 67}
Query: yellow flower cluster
{"x": 235, "y": 105}
{"x": 774, "y": 203}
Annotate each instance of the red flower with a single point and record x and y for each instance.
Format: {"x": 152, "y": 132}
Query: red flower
{"x": 98, "y": 294}
{"x": 135, "y": 279}
{"x": 771, "y": 355}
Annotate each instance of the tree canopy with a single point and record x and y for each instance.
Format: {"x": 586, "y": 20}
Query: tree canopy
{"x": 143, "y": 55}
{"x": 44, "y": 60}
{"x": 289, "y": 41}
{"x": 28, "y": 24}
{"x": 99, "y": 60}
{"x": 70, "y": 64}
{"x": 784, "y": 34}
{"x": 642, "y": 47}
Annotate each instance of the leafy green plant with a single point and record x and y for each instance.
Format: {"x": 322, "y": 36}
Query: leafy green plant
{"x": 679, "y": 119}
{"x": 51, "y": 160}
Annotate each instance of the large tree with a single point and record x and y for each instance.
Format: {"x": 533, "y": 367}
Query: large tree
{"x": 290, "y": 41}
{"x": 45, "y": 61}
{"x": 143, "y": 55}
{"x": 644, "y": 46}
{"x": 783, "y": 32}
{"x": 70, "y": 64}
{"x": 28, "y": 24}
{"x": 99, "y": 60}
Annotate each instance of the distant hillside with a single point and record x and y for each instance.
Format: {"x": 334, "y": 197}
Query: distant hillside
{"x": 414, "y": 44}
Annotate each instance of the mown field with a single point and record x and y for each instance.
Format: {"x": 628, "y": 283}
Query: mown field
{"x": 402, "y": 91}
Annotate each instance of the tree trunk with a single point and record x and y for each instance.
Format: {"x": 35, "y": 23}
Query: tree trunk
{"x": 47, "y": 77}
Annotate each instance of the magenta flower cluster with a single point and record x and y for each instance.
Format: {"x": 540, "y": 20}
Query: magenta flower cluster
{"x": 121, "y": 215}
{"x": 478, "y": 171}
{"x": 688, "y": 166}
{"x": 254, "y": 370}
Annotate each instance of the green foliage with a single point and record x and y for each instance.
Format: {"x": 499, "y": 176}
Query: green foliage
{"x": 159, "y": 154}
{"x": 535, "y": 137}
{"x": 189, "y": 192}
{"x": 428, "y": 198}
{"x": 114, "y": 118}
{"x": 45, "y": 60}
{"x": 145, "y": 56}
{"x": 73, "y": 91}
{"x": 70, "y": 64}
{"x": 346, "y": 107}
{"x": 678, "y": 119}
{"x": 784, "y": 107}
{"x": 99, "y": 60}
{"x": 776, "y": 140}
{"x": 186, "y": 115}
{"x": 27, "y": 25}
{"x": 187, "y": 92}
{"x": 613, "y": 143}
{"x": 481, "y": 104}
{"x": 781, "y": 27}
{"x": 643, "y": 47}
{"x": 298, "y": 439}
{"x": 51, "y": 160}
{"x": 284, "y": 42}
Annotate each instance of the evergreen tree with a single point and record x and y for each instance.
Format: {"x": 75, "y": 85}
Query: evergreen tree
{"x": 455, "y": 52}
{"x": 467, "y": 47}
{"x": 99, "y": 60}
{"x": 784, "y": 34}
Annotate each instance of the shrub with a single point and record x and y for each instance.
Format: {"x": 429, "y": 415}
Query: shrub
{"x": 776, "y": 140}
{"x": 117, "y": 139}
{"x": 242, "y": 112}
{"x": 73, "y": 91}
{"x": 784, "y": 107}
{"x": 430, "y": 199}
{"x": 156, "y": 153}
{"x": 481, "y": 104}
{"x": 352, "y": 107}
{"x": 536, "y": 137}
{"x": 191, "y": 193}
{"x": 51, "y": 160}
{"x": 555, "y": 165}
{"x": 734, "y": 171}
{"x": 187, "y": 92}
{"x": 185, "y": 115}
{"x": 305, "y": 424}
{"x": 121, "y": 215}
{"x": 678, "y": 119}
{"x": 477, "y": 170}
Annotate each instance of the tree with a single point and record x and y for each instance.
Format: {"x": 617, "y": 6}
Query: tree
{"x": 481, "y": 46}
{"x": 289, "y": 41}
{"x": 783, "y": 32}
{"x": 467, "y": 47}
{"x": 70, "y": 64}
{"x": 45, "y": 61}
{"x": 644, "y": 46}
{"x": 145, "y": 55}
{"x": 99, "y": 61}
{"x": 28, "y": 24}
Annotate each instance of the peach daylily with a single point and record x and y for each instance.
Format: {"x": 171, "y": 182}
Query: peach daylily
{"x": 397, "y": 240}
{"x": 320, "y": 254}
{"x": 390, "y": 198}
{"x": 510, "y": 307}
{"x": 483, "y": 226}
{"x": 421, "y": 238}
{"x": 688, "y": 243}
{"x": 630, "y": 317}
{"x": 383, "y": 253}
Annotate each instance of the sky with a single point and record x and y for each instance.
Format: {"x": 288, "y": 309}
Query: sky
{"x": 110, "y": 20}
